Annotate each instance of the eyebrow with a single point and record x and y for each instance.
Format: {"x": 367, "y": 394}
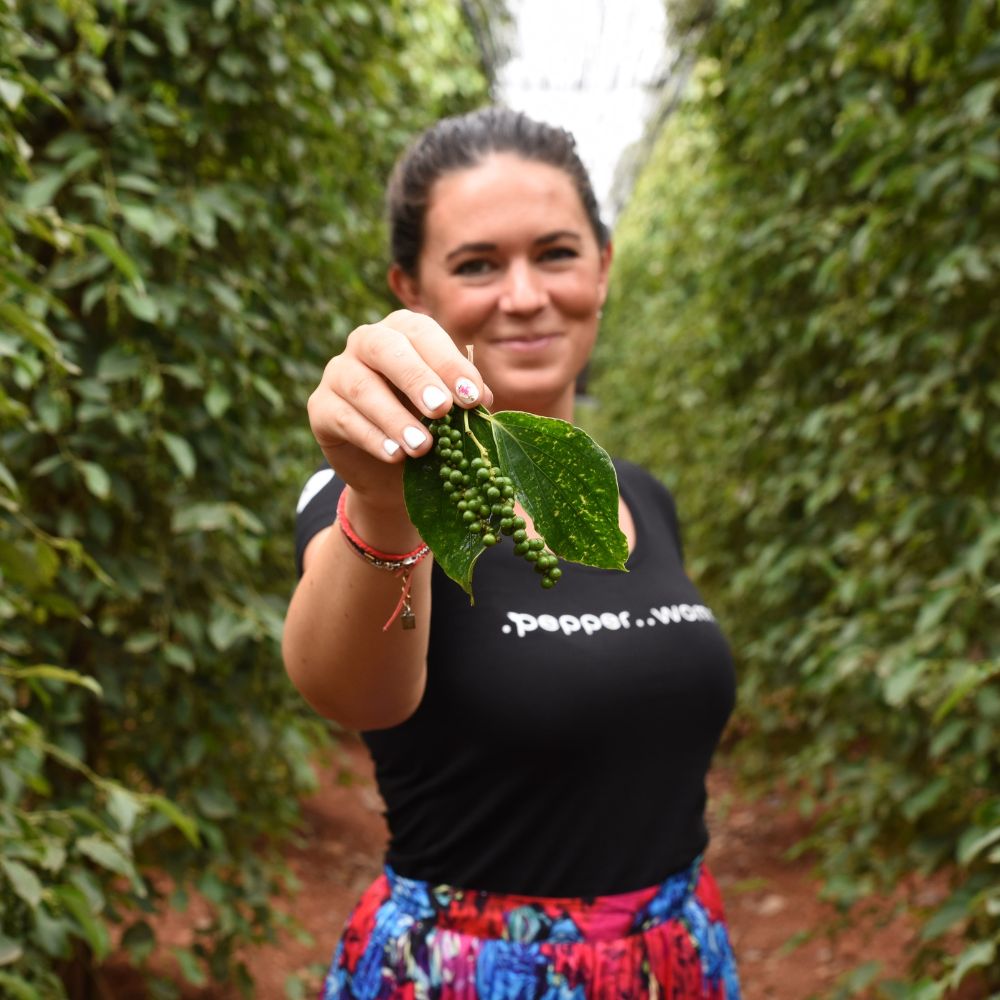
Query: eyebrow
{"x": 553, "y": 237}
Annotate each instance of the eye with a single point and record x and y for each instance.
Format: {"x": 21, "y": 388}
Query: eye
{"x": 475, "y": 267}
{"x": 559, "y": 253}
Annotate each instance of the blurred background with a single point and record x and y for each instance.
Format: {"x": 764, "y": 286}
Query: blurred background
{"x": 801, "y": 341}
{"x": 596, "y": 68}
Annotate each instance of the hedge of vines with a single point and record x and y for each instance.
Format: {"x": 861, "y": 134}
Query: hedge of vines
{"x": 190, "y": 220}
{"x": 804, "y": 341}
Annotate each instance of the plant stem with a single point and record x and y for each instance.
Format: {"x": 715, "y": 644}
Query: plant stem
{"x": 484, "y": 454}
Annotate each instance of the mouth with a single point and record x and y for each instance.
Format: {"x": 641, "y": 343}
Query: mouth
{"x": 526, "y": 343}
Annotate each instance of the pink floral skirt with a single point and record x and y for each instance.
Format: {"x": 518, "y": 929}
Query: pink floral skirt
{"x": 410, "y": 939}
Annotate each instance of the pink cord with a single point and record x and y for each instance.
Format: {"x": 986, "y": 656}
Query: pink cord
{"x": 399, "y": 565}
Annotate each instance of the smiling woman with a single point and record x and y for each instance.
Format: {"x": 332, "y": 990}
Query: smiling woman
{"x": 545, "y": 787}
{"x": 512, "y": 267}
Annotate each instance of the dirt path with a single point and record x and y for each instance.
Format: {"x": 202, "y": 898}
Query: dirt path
{"x": 772, "y": 903}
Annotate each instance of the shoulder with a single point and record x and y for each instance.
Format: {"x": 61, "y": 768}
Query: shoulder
{"x": 648, "y": 498}
{"x": 635, "y": 481}
{"x": 319, "y": 481}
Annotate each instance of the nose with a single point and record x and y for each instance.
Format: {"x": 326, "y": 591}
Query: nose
{"x": 524, "y": 289}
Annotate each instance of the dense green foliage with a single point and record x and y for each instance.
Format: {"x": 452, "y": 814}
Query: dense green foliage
{"x": 191, "y": 220}
{"x": 804, "y": 341}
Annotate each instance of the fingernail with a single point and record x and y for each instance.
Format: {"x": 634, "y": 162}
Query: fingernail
{"x": 433, "y": 397}
{"x": 390, "y": 446}
{"x": 414, "y": 436}
{"x": 466, "y": 390}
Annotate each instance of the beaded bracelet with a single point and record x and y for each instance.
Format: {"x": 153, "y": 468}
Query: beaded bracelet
{"x": 400, "y": 565}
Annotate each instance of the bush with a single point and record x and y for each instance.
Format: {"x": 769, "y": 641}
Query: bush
{"x": 191, "y": 205}
{"x": 803, "y": 340}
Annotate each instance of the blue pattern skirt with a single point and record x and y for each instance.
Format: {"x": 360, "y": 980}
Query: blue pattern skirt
{"x": 409, "y": 940}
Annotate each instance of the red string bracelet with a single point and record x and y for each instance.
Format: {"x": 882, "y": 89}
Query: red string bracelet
{"x": 400, "y": 565}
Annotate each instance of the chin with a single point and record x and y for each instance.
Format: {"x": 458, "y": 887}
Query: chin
{"x": 534, "y": 396}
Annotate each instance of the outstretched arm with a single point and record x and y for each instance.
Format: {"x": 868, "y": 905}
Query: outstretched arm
{"x": 365, "y": 417}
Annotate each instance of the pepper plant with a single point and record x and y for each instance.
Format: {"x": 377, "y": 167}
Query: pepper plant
{"x": 190, "y": 206}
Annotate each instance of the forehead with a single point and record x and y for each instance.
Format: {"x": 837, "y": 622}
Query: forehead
{"x": 503, "y": 194}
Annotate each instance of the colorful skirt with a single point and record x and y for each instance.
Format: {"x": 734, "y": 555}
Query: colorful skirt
{"x": 410, "y": 940}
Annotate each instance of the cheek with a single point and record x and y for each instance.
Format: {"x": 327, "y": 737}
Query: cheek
{"x": 464, "y": 313}
{"x": 579, "y": 298}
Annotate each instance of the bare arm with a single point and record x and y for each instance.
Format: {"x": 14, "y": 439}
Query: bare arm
{"x": 334, "y": 647}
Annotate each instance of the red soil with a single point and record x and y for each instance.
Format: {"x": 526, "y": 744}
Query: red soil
{"x": 781, "y": 929}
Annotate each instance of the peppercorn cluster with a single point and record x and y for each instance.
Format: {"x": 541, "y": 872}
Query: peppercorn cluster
{"x": 484, "y": 499}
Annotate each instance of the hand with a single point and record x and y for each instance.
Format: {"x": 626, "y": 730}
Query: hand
{"x": 365, "y": 412}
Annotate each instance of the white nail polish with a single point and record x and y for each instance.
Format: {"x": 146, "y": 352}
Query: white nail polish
{"x": 433, "y": 397}
{"x": 466, "y": 390}
{"x": 414, "y": 436}
{"x": 390, "y": 446}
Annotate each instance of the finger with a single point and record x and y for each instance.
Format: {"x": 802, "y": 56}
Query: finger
{"x": 355, "y": 405}
{"x": 336, "y": 426}
{"x": 433, "y": 349}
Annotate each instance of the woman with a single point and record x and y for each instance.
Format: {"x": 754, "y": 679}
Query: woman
{"x": 542, "y": 754}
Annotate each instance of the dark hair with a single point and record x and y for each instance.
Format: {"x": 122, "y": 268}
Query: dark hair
{"x": 463, "y": 141}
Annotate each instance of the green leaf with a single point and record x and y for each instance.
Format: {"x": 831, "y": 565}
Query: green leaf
{"x": 23, "y": 881}
{"x": 956, "y": 910}
{"x": 179, "y": 819}
{"x": 125, "y": 808}
{"x": 117, "y": 365}
{"x": 977, "y": 956}
{"x": 108, "y": 244}
{"x": 181, "y": 452}
{"x": 10, "y": 950}
{"x": 190, "y": 966}
{"x": 102, "y": 852}
{"x": 176, "y": 35}
{"x": 40, "y": 193}
{"x": 14, "y": 987}
{"x": 48, "y": 671}
{"x": 215, "y": 803}
{"x": 227, "y": 628}
{"x": 217, "y": 400}
{"x": 566, "y": 482}
{"x": 30, "y": 329}
{"x": 11, "y": 93}
{"x": 975, "y": 841}
{"x": 215, "y": 517}
{"x": 189, "y": 377}
{"x": 178, "y": 656}
{"x": 34, "y": 566}
{"x": 433, "y": 514}
{"x": 141, "y": 305}
{"x": 7, "y": 480}
{"x": 137, "y": 183}
{"x": 96, "y": 478}
{"x": 143, "y": 642}
{"x": 976, "y": 676}
{"x": 157, "y": 225}
{"x": 51, "y": 933}
{"x": 79, "y": 906}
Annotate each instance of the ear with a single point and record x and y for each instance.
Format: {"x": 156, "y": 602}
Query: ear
{"x": 605, "y": 269}
{"x": 406, "y": 288}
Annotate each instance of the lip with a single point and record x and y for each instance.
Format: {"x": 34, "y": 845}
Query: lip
{"x": 526, "y": 342}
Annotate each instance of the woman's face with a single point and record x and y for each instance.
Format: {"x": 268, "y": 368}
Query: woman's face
{"x": 511, "y": 265}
